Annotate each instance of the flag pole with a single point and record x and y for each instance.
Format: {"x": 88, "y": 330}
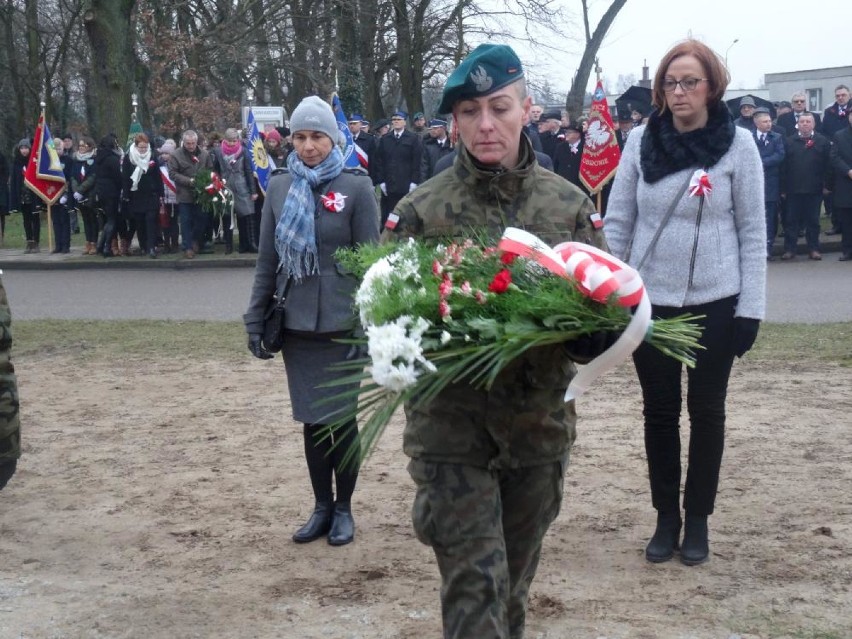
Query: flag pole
{"x": 598, "y": 71}
{"x": 49, "y": 215}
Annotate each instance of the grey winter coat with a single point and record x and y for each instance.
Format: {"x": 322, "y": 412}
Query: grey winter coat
{"x": 731, "y": 252}
{"x": 320, "y": 303}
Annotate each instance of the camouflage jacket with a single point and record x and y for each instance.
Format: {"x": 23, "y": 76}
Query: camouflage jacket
{"x": 522, "y": 420}
{"x": 10, "y": 426}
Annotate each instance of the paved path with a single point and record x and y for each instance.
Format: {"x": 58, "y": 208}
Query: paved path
{"x": 800, "y": 291}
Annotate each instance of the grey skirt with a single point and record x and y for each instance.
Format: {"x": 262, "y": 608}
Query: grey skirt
{"x": 307, "y": 358}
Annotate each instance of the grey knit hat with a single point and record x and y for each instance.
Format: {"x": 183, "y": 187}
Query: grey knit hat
{"x": 314, "y": 114}
{"x": 25, "y": 142}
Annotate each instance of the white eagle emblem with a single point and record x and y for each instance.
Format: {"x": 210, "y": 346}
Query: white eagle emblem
{"x": 597, "y": 135}
{"x": 481, "y": 79}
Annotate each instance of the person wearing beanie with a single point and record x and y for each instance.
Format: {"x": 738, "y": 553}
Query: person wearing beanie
{"x": 231, "y": 162}
{"x": 22, "y": 198}
{"x": 311, "y": 209}
{"x": 275, "y": 148}
{"x": 397, "y": 168}
{"x": 489, "y": 464}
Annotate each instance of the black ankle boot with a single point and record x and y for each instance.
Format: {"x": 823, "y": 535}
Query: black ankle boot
{"x": 342, "y": 525}
{"x": 317, "y": 526}
{"x": 696, "y": 548}
{"x": 664, "y": 542}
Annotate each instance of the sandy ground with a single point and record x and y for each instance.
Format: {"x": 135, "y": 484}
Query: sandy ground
{"x": 157, "y": 498}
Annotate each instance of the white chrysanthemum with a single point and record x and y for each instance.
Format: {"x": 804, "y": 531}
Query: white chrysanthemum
{"x": 396, "y": 352}
{"x": 445, "y": 337}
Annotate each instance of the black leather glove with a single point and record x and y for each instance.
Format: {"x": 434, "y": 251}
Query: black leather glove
{"x": 255, "y": 345}
{"x": 7, "y": 469}
{"x": 587, "y": 347}
{"x": 745, "y": 332}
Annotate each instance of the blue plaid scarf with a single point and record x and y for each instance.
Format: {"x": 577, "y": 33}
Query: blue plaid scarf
{"x": 295, "y": 236}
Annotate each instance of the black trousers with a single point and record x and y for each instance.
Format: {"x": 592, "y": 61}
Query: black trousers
{"x": 844, "y": 218}
{"x": 707, "y": 389}
{"x": 32, "y": 222}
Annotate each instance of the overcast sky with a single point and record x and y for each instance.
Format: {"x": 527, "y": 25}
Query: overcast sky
{"x": 772, "y": 37}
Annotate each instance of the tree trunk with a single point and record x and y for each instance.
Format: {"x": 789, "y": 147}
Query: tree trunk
{"x": 111, "y": 82}
{"x": 574, "y": 101}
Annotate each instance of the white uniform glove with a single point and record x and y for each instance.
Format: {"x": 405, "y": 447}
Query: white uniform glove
{"x": 63, "y": 199}
{"x": 384, "y": 188}
{"x": 411, "y": 187}
{"x": 78, "y": 196}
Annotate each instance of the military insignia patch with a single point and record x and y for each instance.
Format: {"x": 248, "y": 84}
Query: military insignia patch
{"x": 481, "y": 80}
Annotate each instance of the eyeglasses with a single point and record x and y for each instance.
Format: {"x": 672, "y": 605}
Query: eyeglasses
{"x": 799, "y": 101}
{"x": 687, "y": 84}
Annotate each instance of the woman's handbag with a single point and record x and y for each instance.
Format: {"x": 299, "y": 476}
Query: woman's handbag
{"x": 164, "y": 220}
{"x": 273, "y": 321}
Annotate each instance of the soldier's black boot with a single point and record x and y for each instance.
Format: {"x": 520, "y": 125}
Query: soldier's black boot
{"x": 342, "y": 525}
{"x": 696, "y": 548}
{"x": 664, "y": 542}
{"x": 317, "y": 526}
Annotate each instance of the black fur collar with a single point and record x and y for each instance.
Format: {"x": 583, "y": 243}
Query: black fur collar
{"x": 665, "y": 151}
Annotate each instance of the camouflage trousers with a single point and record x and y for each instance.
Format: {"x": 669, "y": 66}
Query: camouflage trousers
{"x": 486, "y": 528}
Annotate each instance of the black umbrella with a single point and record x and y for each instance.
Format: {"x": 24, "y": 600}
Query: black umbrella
{"x": 635, "y": 98}
{"x": 734, "y": 104}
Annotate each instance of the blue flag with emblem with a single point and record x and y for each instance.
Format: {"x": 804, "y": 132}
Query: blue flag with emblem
{"x": 350, "y": 156}
{"x": 260, "y": 164}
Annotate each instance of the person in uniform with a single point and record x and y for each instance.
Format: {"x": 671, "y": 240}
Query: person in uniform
{"x": 437, "y": 146}
{"x": 489, "y": 464}
{"x": 10, "y": 425}
{"x": 397, "y": 163}
{"x": 313, "y": 208}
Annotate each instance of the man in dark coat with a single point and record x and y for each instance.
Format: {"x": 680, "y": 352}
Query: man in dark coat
{"x": 569, "y": 154}
{"x": 834, "y": 121}
{"x": 436, "y": 146}
{"x": 804, "y": 177}
{"x": 549, "y": 131}
{"x": 625, "y": 126}
{"x": 397, "y": 169}
{"x": 790, "y": 119}
{"x": 841, "y": 159}
{"x": 770, "y": 145}
{"x": 364, "y": 140}
{"x": 747, "y": 107}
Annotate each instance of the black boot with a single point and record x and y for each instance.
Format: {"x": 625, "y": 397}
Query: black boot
{"x": 695, "y": 549}
{"x": 342, "y": 525}
{"x": 317, "y": 526}
{"x": 664, "y": 542}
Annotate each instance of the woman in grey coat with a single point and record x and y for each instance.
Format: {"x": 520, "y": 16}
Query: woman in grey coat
{"x": 686, "y": 210}
{"x": 310, "y": 211}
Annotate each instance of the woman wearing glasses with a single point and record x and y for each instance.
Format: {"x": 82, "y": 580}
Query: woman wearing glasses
{"x": 686, "y": 210}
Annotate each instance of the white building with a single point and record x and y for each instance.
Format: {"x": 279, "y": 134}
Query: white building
{"x": 818, "y": 85}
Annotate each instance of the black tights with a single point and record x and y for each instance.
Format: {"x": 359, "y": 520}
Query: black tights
{"x": 707, "y": 387}
{"x": 323, "y": 462}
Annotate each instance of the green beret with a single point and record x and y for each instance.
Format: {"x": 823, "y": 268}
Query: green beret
{"x": 487, "y": 69}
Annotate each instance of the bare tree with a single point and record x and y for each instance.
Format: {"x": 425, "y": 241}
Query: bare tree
{"x": 574, "y": 101}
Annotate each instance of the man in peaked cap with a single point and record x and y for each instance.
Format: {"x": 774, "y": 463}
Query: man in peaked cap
{"x": 397, "y": 166}
{"x": 436, "y": 146}
{"x": 366, "y": 142}
{"x": 489, "y": 464}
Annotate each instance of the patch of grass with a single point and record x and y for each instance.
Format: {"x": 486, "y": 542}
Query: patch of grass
{"x": 797, "y": 342}
{"x": 128, "y": 339}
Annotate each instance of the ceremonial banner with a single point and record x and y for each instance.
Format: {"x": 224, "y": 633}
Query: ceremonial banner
{"x": 260, "y": 165}
{"x": 600, "y": 151}
{"x": 43, "y": 174}
{"x": 353, "y": 155}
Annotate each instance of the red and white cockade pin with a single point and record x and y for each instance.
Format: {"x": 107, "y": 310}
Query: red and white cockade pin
{"x": 333, "y": 202}
{"x": 699, "y": 184}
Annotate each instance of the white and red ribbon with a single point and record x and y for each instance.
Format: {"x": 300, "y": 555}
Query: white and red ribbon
{"x": 699, "y": 184}
{"x": 598, "y": 275}
{"x": 334, "y": 202}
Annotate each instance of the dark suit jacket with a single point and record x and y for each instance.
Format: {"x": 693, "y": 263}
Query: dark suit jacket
{"x": 806, "y": 169}
{"x": 567, "y": 164}
{"x": 432, "y": 153}
{"x": 833, "y": 123}
{"x": 788, "y": 121}
{"x": 772, "y": 156}
{"x": 841, "y": 160}
{"x": 398, "y": 161}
